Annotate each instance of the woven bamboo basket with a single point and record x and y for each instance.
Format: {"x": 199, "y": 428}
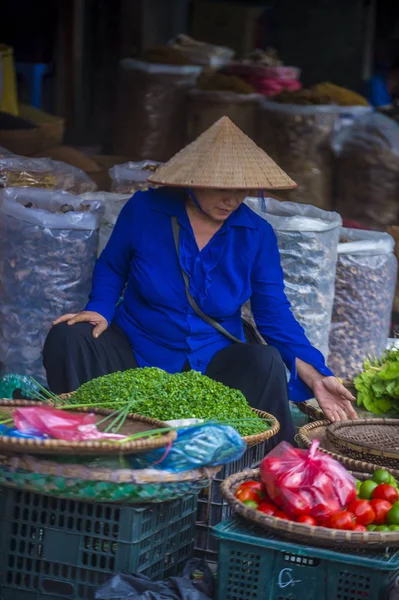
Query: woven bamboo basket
{"x": 250, "y": 440}
{"x": 299, "y": 532}
{"x": 133, "y": 424}
{"x": 371, "y": 440}
{"x": 318, "y": 431}
{"x": 100, "y": 484}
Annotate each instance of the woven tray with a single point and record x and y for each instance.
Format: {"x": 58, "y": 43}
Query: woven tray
{"x": 250, "y": 440}
{"x": 318, "y": 431}
{"x": 299, "y": 532}
{"x": 133, "y": 424}
{"x": 127, "y": 486}
{"x": 371, "y": 440}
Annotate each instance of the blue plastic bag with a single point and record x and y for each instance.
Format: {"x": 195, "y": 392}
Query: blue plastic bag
{"x": 14, "y": 432}
{"x": 195, "y": 447}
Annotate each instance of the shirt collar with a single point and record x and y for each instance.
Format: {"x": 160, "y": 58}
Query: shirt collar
{"x": 170, "y": 201}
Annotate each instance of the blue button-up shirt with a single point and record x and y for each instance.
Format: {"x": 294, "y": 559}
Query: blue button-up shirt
{"x": 240, "y": 262}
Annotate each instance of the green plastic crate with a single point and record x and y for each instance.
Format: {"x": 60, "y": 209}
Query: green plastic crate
{"x": 256, "y": 566}
{"x": 53, "y": 548}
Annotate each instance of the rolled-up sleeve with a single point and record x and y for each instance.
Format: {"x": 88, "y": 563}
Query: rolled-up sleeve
{"x": 274, "y": 319}
{"x": 112, "y": 267}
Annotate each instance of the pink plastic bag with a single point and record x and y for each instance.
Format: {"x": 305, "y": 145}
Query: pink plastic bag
{"x": 59, "y": 424}
{"x": 306, "y": 481}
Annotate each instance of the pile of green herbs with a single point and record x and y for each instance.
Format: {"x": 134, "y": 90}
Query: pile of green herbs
{"x": 378, "y": 384}
{"x": 154, "y": 393}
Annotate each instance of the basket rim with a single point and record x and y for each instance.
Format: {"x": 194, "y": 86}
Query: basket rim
{"x": 303, "y": 533}
{"x": 333, "y": 434}
{"x": 40, "y": 466}
{"x": 51, "y": 446}
{"x": 351, "y": 463}
{"x": 253, "y": 440}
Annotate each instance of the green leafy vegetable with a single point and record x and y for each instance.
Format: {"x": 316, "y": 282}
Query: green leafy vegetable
{"x": 378, "y": 385}
{"x": 155, "y": 393}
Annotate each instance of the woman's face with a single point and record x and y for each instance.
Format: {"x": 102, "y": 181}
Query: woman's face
{"x": 219, "y": 204}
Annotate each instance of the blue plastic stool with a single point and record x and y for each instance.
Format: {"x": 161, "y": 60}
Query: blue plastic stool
{"x": 33, "y": 73}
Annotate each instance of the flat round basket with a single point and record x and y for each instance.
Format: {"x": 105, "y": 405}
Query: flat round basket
{"x": 134, "y": 424}
{"x": 274, "y": 428}
{"x": 371, "y": 440}
{"x": 250, "y": 440}
{"x": 318, "y": 431}
{"x": 299, "y": 532}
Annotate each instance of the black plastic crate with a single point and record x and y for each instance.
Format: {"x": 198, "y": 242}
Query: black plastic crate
{"x": 53, "y": 548}
{"x": 212, "y": 508}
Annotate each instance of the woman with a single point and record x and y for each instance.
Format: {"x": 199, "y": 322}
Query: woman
{"x": 187, "y": 257}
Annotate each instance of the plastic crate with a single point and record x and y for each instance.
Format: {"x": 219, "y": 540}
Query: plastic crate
{"x": 257, "y": 566}
{"x": 212, "y": 508}
{"x": 54, "y": 548}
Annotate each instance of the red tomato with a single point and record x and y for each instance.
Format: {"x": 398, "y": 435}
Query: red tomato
{"x": 281, "y": 515}
{"x": 381, "y": 509}
{"x": 248, "y": 494}
{"x": 267, "y": 508}
{"x": 298, "y": 504}
{"x": 323, "y": 511}
{"x": 254, "y": 485}
{"x": 363, "y": 511}
{"x": 341, "y": 520}
{"x": 359, "y": 527}
{"x": 386, "y": 492}
{"x": 307, "y": 520}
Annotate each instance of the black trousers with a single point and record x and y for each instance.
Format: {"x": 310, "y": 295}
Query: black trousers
{"x": 71, "y": 357}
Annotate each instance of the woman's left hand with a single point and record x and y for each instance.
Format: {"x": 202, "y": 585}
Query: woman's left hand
{"x": 334, "y": 399}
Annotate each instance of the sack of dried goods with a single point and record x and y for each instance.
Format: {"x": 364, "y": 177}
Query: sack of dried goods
{"x": 19, "y": 171}
{"x": 152, "y": 108}
{"x": 307, "y": 239}
{"x": 131, "y": 177}
{"x": 367, "y": 159}
{"x": 364, "y": 290}
{"x": 48, "y": 247}
{"x": 113, "y": 204}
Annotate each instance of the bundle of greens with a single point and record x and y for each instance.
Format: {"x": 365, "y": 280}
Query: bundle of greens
{"x": 378, "y": 385}
{"x": 155, "y": 393}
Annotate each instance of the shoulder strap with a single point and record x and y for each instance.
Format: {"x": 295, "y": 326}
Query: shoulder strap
{"x": 192, "y": 302}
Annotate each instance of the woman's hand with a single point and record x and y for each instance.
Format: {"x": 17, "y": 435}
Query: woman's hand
{"x": 99, "y": 322}
{"x": 334, "y": 399}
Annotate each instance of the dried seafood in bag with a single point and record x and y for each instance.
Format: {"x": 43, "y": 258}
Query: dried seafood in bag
{"x": 113, "y": 204}
{"x": 48, "y": 247}
{"x": 307, "y": 239}
{"x": 131, "y": 177}
{"x": 364, "y": 292}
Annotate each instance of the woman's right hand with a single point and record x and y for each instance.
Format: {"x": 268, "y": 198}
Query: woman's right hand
{"x": 99, "y": 322}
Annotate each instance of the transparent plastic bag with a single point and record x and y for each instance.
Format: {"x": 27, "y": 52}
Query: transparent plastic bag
{"x": 306, "y": 481}
{"x": 367, "y": 171}
{"x": 195, "y": 447}
{"x": 364, "y": 292}
{"x": 132, "y": 176}
{"x": 298, "y": 138}
{"x": 16, "y": 386}
{"x": 113, "y": 204}
{"x": 307, "y": 239}
{"x": 18, "y": 171}
{"x": 151, "y": 109}
{"x": 47, "y": 258}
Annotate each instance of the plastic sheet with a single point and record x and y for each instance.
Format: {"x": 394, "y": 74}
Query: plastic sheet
{"x": 364, "y": 292}
{"x": 195, "y": 447}
{"x": 12, "y": 384}
{"x": 306, "y": 481}
{"x": 197, "y": 583}
{"x": 151, "y": 109}
{"x": 367, "y": 156}
{"x": 307, "y": 239}
{"x": 132, "y": 176}
{"x": 46, "y": 263}
{"x": 18, "y": 171}
{"x": 113, "y": 204}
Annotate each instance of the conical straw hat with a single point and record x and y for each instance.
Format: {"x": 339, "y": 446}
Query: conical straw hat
{"x": 223, "y": 157}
